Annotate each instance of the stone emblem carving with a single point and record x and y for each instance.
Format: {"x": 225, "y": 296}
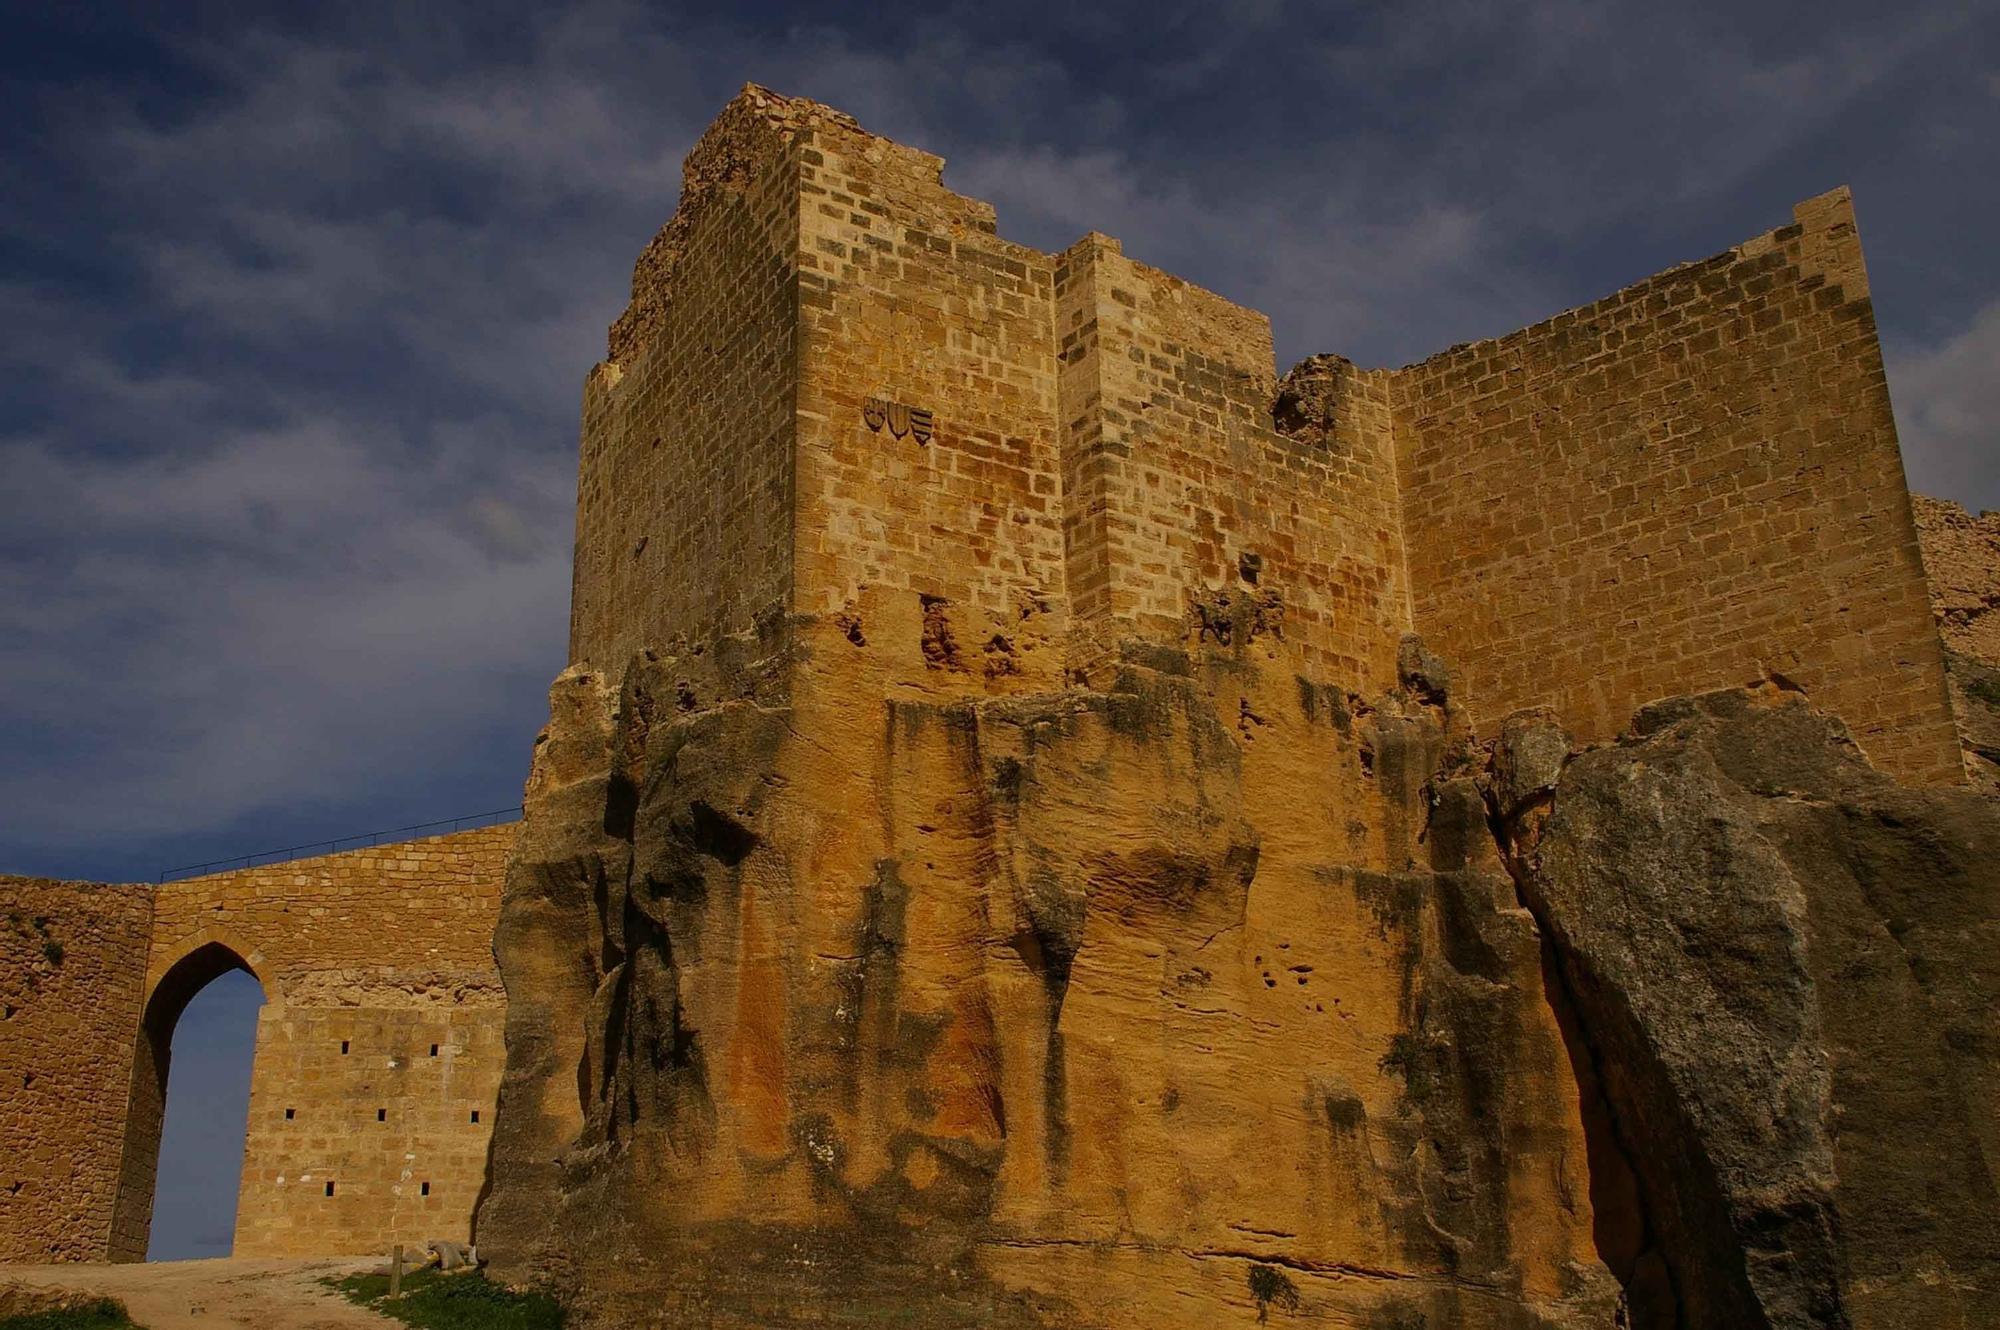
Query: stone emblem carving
{"x": 900, "y": 417}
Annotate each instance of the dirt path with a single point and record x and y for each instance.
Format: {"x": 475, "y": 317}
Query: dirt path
{"x": 216, "y": 1295}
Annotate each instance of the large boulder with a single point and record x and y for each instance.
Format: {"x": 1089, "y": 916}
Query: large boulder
{"x": 1782, "y": 965}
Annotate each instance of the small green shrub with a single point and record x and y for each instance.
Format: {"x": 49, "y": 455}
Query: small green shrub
{"x": 103, "y": 1314}
{"x": 53, "y": 950}
{"x": 1272, "y": 1287}
{"x": 432, "y": 1301}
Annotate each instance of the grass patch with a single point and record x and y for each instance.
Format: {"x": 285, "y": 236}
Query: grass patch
{"x": 433, "y": 1301}
{"x": 102, "y": 1314}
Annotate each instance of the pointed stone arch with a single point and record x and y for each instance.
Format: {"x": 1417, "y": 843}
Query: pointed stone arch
{"x": 182, "y": 970}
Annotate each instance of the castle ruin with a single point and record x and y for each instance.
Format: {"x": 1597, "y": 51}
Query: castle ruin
{"x": 1050, "y": 823}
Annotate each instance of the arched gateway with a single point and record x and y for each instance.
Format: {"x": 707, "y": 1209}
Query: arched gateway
{"x": 377, "y": 1057}
{"x": 194, "y": 965}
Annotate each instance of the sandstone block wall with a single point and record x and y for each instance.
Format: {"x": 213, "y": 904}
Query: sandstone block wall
{"x": 72, "y": 970}
{"x": 368, "y": 1125}
{"x": 946, "y": 490}
{"x": 368, "y": 959}
{"x": 1191, "y": 499}
{"x": 1692, "y": 483}
{"x": 685, "y": 486}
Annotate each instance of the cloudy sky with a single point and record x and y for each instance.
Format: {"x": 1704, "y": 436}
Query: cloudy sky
{"x": 298, "y": 309}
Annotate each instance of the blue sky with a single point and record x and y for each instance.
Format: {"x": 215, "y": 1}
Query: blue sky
{"x": 208, "y": 1102}
{"x": 299, "y": 306}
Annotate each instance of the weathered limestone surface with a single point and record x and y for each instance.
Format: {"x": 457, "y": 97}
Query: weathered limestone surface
{"x": 1783, "y": 966}
{"x": 1195, "y": 999}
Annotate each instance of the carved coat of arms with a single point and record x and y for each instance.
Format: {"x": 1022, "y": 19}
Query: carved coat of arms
{"x": 900, "y": 417}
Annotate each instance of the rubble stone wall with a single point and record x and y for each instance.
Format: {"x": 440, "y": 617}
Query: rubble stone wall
{"x": 72, "y": 976}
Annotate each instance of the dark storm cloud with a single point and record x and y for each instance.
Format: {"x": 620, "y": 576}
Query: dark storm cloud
{"x": 299, "y": 308}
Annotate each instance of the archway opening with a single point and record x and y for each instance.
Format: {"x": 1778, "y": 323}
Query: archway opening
{"x": 184, "y": 1134}
{"x": 208, "y": 1105}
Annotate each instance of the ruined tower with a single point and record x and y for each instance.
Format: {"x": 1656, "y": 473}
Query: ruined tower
{"x": 1037, "y": 829}
{"x": 1050, "y": 824}
{"x": 835, "y": 380}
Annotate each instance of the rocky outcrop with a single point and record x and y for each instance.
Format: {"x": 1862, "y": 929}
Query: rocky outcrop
{"x": 1202, "y": 998}
{"x": 1221, "y": 995}
{"x": 1782, "y": 966}
{"x": 1962, "y": 568}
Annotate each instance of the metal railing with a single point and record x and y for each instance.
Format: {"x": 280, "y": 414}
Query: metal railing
{"x": 364, "y": 840}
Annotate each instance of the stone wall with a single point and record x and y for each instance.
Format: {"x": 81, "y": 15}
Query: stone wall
{"x": 368, "y": 1125}
{"x": 1692, "y": 483}
{"x": 1191, "y": 505}
{"x": 72, "y": 973}
{"x": 684, "y": 489}
{"x": 369, "y": 959}
{"x": 1962, "y": 562}
{"x": 377, "y": 1058}
{"x": 835, "y": 382}
{"x": 946, "y": 494}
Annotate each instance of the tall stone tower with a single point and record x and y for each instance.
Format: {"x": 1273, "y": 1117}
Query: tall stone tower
{"x": 835, "y": 380}
{"x": 1002, "y": 853}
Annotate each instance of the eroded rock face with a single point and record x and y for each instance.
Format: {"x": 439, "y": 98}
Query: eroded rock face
{"x": 1782, "y": 965}
{"x": 1199, "y": 998}
{"x": 1219, "y": 995}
